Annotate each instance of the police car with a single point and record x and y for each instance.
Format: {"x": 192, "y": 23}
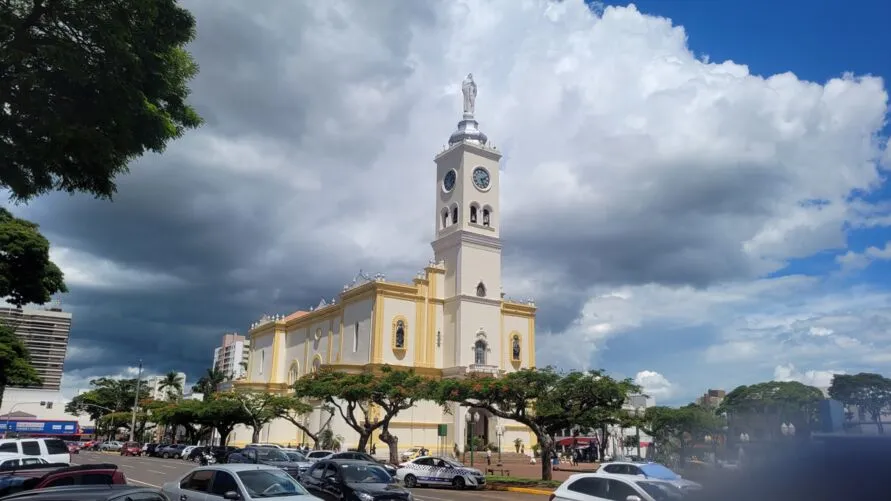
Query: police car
{"x": 430, "y": 470}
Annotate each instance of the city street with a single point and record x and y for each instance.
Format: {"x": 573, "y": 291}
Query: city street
{"x": 156, "y": 471}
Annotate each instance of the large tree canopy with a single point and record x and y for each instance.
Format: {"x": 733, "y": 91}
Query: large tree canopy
{"x": 15, "y": 363}
{"x": 869, "y": 392}
{"x": 86, "y": 86}
{"x": 27, "y": 275}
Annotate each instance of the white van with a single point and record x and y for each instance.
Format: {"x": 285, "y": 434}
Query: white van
{"x": 52, "y": 449}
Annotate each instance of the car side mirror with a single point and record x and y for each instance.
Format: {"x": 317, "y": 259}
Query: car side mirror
{"x": 234, "y": 495}
{"x": 332, "y": 480}
{"x": 632, "y": 498}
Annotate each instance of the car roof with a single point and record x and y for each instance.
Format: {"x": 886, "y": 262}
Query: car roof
{"x": 236, "y": 467}
{"x": 87, "y": 492}
{"x": 617, "y": 476}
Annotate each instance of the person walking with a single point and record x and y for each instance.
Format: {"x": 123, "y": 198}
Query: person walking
{"x": 489, "y": 457}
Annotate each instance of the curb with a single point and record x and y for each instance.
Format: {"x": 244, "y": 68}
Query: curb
{"x": 522, "y": 490}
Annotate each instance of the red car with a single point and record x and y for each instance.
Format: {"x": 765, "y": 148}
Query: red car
{"x": 73, "y": 448}
{"x": 131, "y": 449}
{"x": 28, "y": 478}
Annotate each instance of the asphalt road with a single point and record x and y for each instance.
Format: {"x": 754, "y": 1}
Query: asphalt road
{"x": 156, "y": 471}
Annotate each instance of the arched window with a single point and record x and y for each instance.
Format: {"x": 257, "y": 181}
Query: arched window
{"x": 455, "y": 215}
{"x": 481, "y": 290}
{"x": 445, "y": 218}
{"x": 515, "y": 348}
{"x": 356, "y": 338}
{"x": 479, "y": 352}
{"x": 399, "y": 342}
{"x": 486, "y": 217}
{"x": 316, "y": 364}
{"x": 293, "y": 373}
{"x": 473, "y": 213}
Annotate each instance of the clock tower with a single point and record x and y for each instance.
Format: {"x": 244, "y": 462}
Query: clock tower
{"x": 468, "y": 242}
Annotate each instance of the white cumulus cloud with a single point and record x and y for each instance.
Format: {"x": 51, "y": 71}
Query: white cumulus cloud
{"x": 655, "y": 385}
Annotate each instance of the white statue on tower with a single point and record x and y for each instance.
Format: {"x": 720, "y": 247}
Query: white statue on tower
{"x": 468, "y": 88}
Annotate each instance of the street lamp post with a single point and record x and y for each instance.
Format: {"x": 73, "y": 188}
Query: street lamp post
{"x": 499, "y": 430}
{"x": 136, "y": 402}
{"x": 472, "y": 418}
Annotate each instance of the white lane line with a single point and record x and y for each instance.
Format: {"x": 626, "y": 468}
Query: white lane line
{"x": 127, "y": 466}
{"x": 168, "y": 466}
{"x": 156, "y": 471}
{"x": 143, "y": 483}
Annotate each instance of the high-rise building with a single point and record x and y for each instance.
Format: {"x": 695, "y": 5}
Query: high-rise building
{"x": 231, "y": 357}
{"x": 44, "y": 330}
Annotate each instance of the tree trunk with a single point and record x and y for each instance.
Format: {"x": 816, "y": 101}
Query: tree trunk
{"x": 224, "y": 432}
{"x": 363, "y": 440}
{"x": 547, "y": 453}
{"x": 392, "y": 442}
{"x": 604, "y": 441}
{"x": 877, "y": 417}
{"x": 2, "y": 391}
{"x": 255, "y": 434}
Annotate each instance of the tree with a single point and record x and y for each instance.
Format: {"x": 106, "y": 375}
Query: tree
{"x": 541, "y": 399}
{"x": 295, "y": 409}
{"x": 172, "y": 385}
{"x": 27, "y": 275}
{"x": 15, "y": 362}
{"x": 87, "y": 87}
{"x": 395, "y": 391}
{"x": 208, "y": 383}
{"x": 349, "y": 394}
{"x": 106, "y": 395}
{"x": 222, "y": 412}
{"x": 260, "y": 408}
{"x": 677, "y": 428}
{"x": 869, "y": 392}
{"x": 186, "y": 414}
{"x": 768, "y": 405}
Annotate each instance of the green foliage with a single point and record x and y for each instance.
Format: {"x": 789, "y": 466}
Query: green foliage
{"x": 260, "y": 408}
{"x": 868, "y": 391}
{"x": 772, "y": 397}
{"x": 208, "y": 383}
{"x": 90, "y": 85}
{"x": 26, "y": 273}
{"x": 172, "y": 384}
{"x": 15, "y": 362}
{"x": 106, "y": 395}
{"x": 542, "y": 399}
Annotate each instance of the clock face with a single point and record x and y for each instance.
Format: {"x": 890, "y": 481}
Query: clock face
{"x": 481, "y": 178}
{"x": 448, "y": 182}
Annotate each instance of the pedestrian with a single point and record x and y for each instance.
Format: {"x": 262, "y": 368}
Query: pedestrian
{"x": 489, "y": 457}
{"x": 373, "y": 449}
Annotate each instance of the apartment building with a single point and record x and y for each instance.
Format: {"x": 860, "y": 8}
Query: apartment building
{"x": 711, "y": 398}
{"x": 231, "y": 357}
{"x": 157, "y": 390}
{"x": 44, "y": 330}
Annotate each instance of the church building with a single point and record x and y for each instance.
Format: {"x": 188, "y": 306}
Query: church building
{"x": 450, "y": 321}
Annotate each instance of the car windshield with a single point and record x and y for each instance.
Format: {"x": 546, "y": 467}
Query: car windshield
{"x": 452, "y": 463}
{"x": 271, "y": 455}
{"x": 662, "y": 491}
{"x": 364, "y": 474}
{"x": 270, "y": 484}
{"x": 658, "y": 471}
{"x": 295, "y": 456}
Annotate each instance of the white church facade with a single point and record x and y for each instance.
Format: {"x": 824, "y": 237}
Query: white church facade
{"x": 450, "y": 321}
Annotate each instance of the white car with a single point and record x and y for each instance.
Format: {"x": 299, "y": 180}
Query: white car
{"x": 313, "y": 456}
{"x": 606, "y": 486}
{"x": 240, "y": 481}
{"x": 650, "y": 471}
{"x": 430, "y": 470}
{"x": 13, "y": 461}
{"x": 52, "y": 450}
{"x": 188, "y": 450}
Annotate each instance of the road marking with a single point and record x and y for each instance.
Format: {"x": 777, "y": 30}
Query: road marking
{"x": 127, "y": 466}
{"x": 143, "y": 483}
{"x": 156, "y": 471}
{"x": 168, "y": 466}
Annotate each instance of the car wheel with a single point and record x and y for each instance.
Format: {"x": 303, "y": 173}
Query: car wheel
{"x": 458, "y": 483}
{"x": 166, "y": 456}
{"x": 410, "y": 481}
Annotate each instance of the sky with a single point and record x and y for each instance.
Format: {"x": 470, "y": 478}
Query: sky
{"x": 693, "y": 192}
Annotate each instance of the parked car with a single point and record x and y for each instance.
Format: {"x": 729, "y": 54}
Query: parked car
{"x": 265, "y": 455}
{"x": 88, "y": 474}
{"x": 653, "y": 471}
{"x": 346, "y": 479}
{"x": 186, "y": 451}
{"x": 430, "y": 470}
{"x": 600, "y": 486}
{"x": 116, "y": 492}
{"x": 51, "y": 449}
{"x": 149, "y": 449}
{"x": 111, "y": 445}
{"x": 314, "y": 456}
{"x": 361, "y": 456}
{"x": 13, "y": 461}
{"x": 73, "y": 447}
{"x": 170, "y": 451}
{"x": 242, "y": 482}
{"x": 131, "y": 449}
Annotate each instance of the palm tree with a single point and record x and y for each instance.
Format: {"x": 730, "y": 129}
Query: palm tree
{"x": 208, "y": 383}
{"x": 173, "y": 384}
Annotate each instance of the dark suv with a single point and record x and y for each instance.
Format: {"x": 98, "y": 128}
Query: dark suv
{"x": 266, "y": 455}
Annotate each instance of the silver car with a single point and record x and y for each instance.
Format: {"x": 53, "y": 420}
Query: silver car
{"x": 243, "y": 482}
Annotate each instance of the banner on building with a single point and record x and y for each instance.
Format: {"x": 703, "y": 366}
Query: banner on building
{"x": 38, "y": 427}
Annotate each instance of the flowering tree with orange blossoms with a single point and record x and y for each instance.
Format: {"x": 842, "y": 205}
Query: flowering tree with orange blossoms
{"x": 542, "y": 399}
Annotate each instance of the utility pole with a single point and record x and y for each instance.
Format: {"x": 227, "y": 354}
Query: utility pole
{"x": 136, "y": 402}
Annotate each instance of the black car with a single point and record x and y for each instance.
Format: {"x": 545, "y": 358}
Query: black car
{"x": 361, "y": 456}
{"x": 117, "y": 492}
{"x": 265, "y": 455}
{"x": 352, "y": 480}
